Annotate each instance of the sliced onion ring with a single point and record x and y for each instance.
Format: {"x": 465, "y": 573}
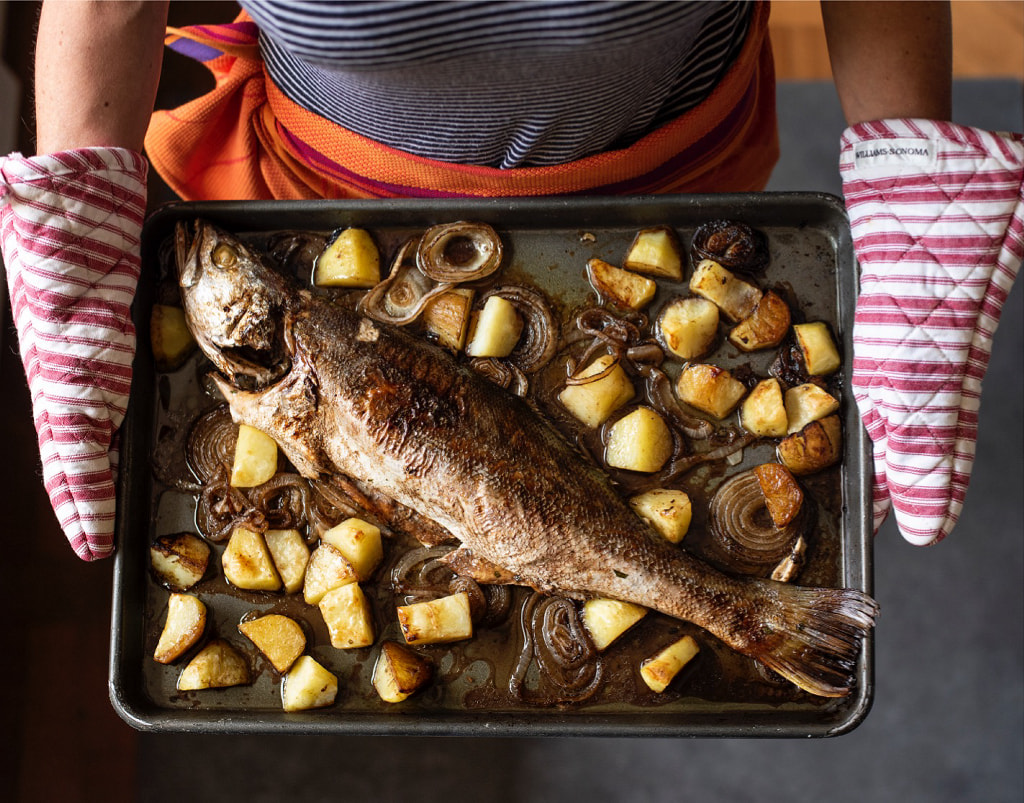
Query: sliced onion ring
{"x": 401, "y": 297}
{"x": 742, "y": 530}
{"x": 442, "y": 252}
{"x": 539, "y": 342}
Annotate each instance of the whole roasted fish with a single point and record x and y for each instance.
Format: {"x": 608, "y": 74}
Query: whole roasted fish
{"x": 342, "y": 394}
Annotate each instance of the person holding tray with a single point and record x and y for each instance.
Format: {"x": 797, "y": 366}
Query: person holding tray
{"x": 389, "y": 99}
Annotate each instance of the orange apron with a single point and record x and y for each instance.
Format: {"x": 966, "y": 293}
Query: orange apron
{"x": 245, "y": 140}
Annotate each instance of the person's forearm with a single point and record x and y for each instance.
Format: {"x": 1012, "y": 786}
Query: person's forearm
{"x": 890, "y": 59}
{"x": 96, "y": 74}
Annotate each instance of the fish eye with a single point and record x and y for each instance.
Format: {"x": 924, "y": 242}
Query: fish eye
{"x": 224, "y": 256}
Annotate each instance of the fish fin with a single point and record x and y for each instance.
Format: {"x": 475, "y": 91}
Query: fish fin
{"x": 812, "y": 637}
{"x": 463, "y": 562}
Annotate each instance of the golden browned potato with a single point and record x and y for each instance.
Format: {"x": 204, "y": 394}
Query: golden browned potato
{"x": 327, "y": 569}
{"x": 656, "y": 251}
{"x": 734, "y": 297}
{"x": 436, "y": 621}
{"x": 660, "y": 669}
{"x": 763, "y": 412}
{"x": 247, "y": 563}
{"x": 766, "y": 326}
{"x": 818, "y": 348}
{"x": 179, "y": 561}
{"x": 667, "y": 510}
{"x": 170, "y": 337}
{"x": 290, "y": 554}
{"x": 346, "y": 611}
{"x": 607, "y": 619}
{"x": 815, "y": 447}
{"x": 711, "y": 389}
{"x": 308, "y": 685}
{"x": 446, "y": 317}
{"x": 351, "y": 259}
{"x": 279, "y": 638}
{"x": 399, "y": 672}
{"x": 639, "y": 441}
{"x": 359, "y": 542}
{"x": 621, "y": 287}
{"x": 593, "y": 402}
{"x": 184, "y": 626}
{"x": 806, "y": 403}
{"x": 217, "y": 666}
{"x": 495, "y": 330}
{"x": 782, "y": 495}
{"x": 689, "y": 326}
{"x": 255, "y": 458}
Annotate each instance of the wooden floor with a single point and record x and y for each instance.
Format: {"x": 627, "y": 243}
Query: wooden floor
{"x": 67, "y": 743}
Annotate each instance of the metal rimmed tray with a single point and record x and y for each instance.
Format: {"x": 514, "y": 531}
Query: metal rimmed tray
{"x": 549, "y": 241}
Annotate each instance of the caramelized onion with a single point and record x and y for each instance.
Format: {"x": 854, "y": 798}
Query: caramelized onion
{"x": 463, "y": 251}
{"x": 732, "y": 245}
{"x": 743, "y": 532}
{"x": 502, "y": 374}
{"x": 211, "y": 443}
{"x": 538, "y": 343}
{"x": 400, "y": 298}
{"x": 283, "y": 500}
{"x": 221, "y": 508}
{"x": 658, "y": 390}
{"x": 569, "y": 668}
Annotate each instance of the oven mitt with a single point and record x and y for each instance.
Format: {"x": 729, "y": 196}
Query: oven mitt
{"x": 70, "y": 225}
{"x": 937, "y": 215}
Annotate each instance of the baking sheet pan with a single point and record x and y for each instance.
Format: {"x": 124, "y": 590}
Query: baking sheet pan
{"x": 549, "y": 241}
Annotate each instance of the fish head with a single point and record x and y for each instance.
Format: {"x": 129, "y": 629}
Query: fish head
{"x": 234, "y": 305}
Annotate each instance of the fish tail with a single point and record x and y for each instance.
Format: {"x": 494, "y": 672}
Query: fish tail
{"x": 812, "y": 636}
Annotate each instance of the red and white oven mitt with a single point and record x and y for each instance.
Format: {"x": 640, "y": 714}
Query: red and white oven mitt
{"x": 70, "y": 225}
{"x": 937, "y": 215}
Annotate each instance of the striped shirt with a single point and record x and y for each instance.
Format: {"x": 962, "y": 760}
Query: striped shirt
{"x": 501, "y": 84}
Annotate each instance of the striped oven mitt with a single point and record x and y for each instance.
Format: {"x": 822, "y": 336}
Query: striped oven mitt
{"x": 70, "y": 225}
{"x": 937, "y": 215}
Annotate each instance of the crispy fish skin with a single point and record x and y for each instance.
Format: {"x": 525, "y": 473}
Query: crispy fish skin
{"x": 372, "y": 402}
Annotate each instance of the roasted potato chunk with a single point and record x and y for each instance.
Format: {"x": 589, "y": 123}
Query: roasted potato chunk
{"x": 290, "y": 554}
{"x": 170, "y": 338}
{"x": 327, "y": 569}
{"x": 351, "y": 259}
{"x": 763, "y": 412}
{"x": 818, "y": 348}
{"x": 308, "y": 685}
{"x": 184, "y": 626}
{"x": 247, "y": 563}
{"x": 446, "y": 317}
{"x": 766, "y": 326}
{"x": 782, "y": 494}
{"x": 399, "y": 672}
{"x": 217, "y": 666}
{"x": 607, "y": 619}
{"x": 359, "y": 542}
{"x": 179, "y": 561}
{"x": 736, "y": 298}
{"x": 668, "y": 511}
{"x": 710, "y": 389}
{"x": 688, "y": 327}
{"x": 639, "y": 441}
{"x": 622, "y": 288}
{"x": 255, "y": 458}
{"x": 495, "y": 330}
{"x": 659, "y": 670}
{"x": 346, "y": 611}
{"x": 594, "y": 401}
{"x": 806, "y": 403}
{"x": 656, "y": 251}
{"x": 436, "y": 621}
{"x": 817, "y": 446}
{"x": 278, "y": 637}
